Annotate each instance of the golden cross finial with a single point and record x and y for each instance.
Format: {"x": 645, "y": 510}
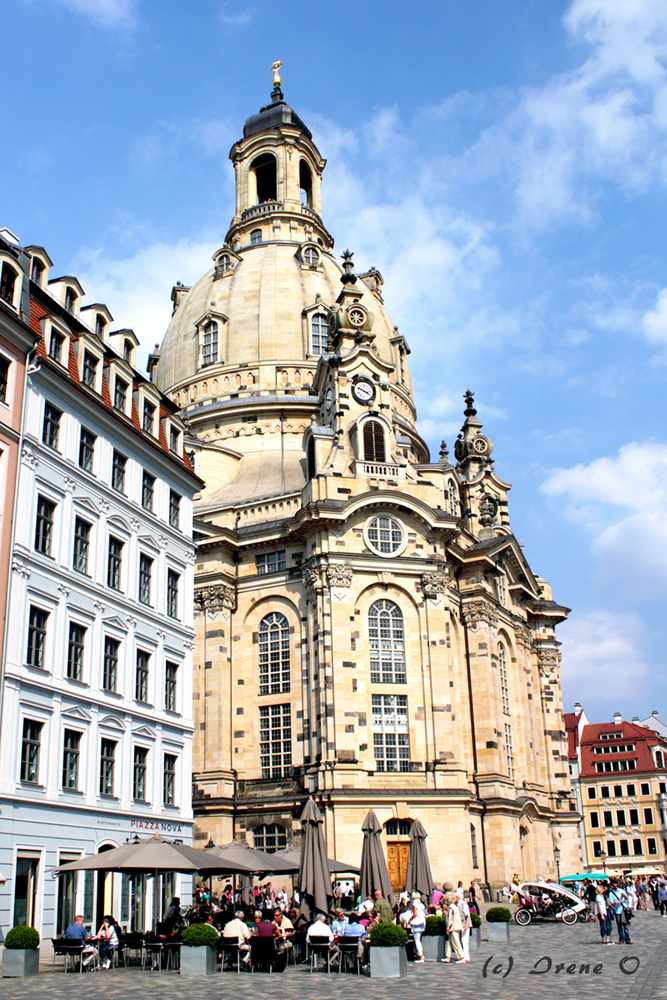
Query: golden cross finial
{"x": 276, "y": 75}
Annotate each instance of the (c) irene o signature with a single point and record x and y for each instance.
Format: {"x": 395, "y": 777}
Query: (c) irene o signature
{"x": 628, "y": 965}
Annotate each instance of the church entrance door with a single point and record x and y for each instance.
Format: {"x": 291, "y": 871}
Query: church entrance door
{"x": 397, "y": 863}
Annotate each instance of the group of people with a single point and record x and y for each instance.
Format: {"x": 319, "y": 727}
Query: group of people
{"x": 618, "y": 899}
{"x": 104, "y": 943}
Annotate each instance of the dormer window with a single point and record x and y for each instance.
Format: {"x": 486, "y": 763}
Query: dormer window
{"x": 100, "y": 325}
{"x": 255, "y": 237}
{"x": 319, "y": 334}
{"x": 149, "y": 417}
{"x": 37, "y": 271}
{"x": 210, "y": 343}
{"x": 174, "y": 439}
{"x": 225, "y": 262}
{"x": 311, "y": 256}
{"x": 120, "y": 394}
{"x": 127, "y": 351}
{"x": 56, "y": 342}
{"x": 70, "y": 299}
{"x": 8, "y": 283}
{"x": 89, "y": 373}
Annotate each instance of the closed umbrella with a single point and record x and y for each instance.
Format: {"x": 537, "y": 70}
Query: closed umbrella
{"x": 418, "y": 876}
{"x": 374, "y": 872}
{"x": 315, "y": 891}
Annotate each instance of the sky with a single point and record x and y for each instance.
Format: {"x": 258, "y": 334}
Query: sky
{"x": 503, "y": 165}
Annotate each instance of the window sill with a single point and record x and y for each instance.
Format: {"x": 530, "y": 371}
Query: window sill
{"x": 141, "y": 802}
{"x": 75, "y": 680}
{"x": 144, "y": 704}
{"x": 165, "y": 805}
{"x": 41, "y": 670}
{"x": 116, "y": 694}
{"x": 173, "y": 712}
{"x": 109, "y": 798}
{"x": 72, "y": 791}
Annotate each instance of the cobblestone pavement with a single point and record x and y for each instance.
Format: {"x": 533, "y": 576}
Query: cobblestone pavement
{"x": 537, "y": 949}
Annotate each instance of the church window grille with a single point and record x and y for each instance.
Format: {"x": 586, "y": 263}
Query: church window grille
{"x": 311, "y": 256}
{"x": 319, "y": 333}
{"x": 274, "y": 655}
{"x": 255, "y": 237}
{"x": 398, "y": 827}
{"x": 270, "y": 837}
{"x": 391, "y": 741}
{"x": 387, "y": 643}
{"x": 509, "y": 751}
{"x": 270, "y": 562}
{"x": 275, "y": 741}
{"x": 374, "y": 450}
{"x": 473, "y": 846}
{"x": 502, "y": 592}
{"x": 452, "y": 498}
{"x": 210, "y": 344}
{"x": 504, "y": 688}
{"x": 385, "y": 535}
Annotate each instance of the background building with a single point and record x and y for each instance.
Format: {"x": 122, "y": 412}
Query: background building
{"x": 622, "y": 785}
{"x": 96, "y": 701}
{"x": 368, "y": 628}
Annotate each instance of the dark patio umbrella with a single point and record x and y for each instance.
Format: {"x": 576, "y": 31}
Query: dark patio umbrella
{"x": 252, "y": 860}
{"x": 293, "y": 856}
{"x": 315, "y": 892}
{"x": 418, "y": 876}
{"x": 374, "y": 872}
{"x": 153, "y": 856}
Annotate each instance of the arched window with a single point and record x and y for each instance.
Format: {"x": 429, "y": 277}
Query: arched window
{"x": 502, "y": 669}
{"x": 255, "y": 237}
{"x": 311, "y": 459}
{"x": 387, "y": 643}
{"x": 398, "y": 827}
{"x": 305, "y": 185}
{"x": 270, "y": 837}
{"x": 264, "y": 171}
{"x": 210, "y": 343}
{"x": 274, "y": 654}
{"x": 100, "y": 327}
{"x": 452, "y": 498}
{"x": 374, "y": 450}
{"x": 311, "y": 256}
{"x": 70, "y": 299}
{"x": 8, "y": 283}
{"x": 659, "y": 759}
{"x": 37, "y": 272}
{"x": 225, "y": 262}
{"x": 319, "y": 327}
{"x": 473, "y": 845}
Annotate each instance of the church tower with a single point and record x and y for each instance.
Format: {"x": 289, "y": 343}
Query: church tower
{"x": 368, "y": 628}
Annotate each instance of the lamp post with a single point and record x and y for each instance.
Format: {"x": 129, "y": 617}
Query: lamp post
{"x": 557, "y": 860}
{"x": 603, "y": 855}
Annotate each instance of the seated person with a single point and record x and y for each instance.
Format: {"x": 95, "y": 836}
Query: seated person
{"x": 209, "y": 921}
{"x": 338, "y": 927}
{"x": 266, "y": 928}
{"x": 108, "y": 940}
{"x": 367, "y": 905}
{"x": 237, "y": 930}
{"x": 77, "y": 932}
{"x": 319, "y": 931}
{"x": 172, "y": 917}
{"x": 355, "y": 929}
{"x": 285, "y": 931}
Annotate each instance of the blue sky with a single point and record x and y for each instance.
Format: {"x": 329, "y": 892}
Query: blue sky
{"x": 503, "y": 165}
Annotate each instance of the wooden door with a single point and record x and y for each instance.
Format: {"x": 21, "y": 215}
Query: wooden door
{"x": 397, "y": 863}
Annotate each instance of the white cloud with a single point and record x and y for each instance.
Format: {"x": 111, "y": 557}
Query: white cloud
{"x": 602, "y": 659}
{"x": 654, "y": 322}
{"x": 233, "y": 17}
{"x": 107, "y": 13}
{"x": 622, "y": 503}
{"x": 137, "y": 289}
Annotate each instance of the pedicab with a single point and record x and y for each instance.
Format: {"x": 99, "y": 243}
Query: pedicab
{"x": 548, "y": 901}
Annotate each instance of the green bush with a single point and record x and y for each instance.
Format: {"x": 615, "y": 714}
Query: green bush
{"x": 476, "y": 920}
{"x": 498, "y": 915}
{"x": 387, "y": 936}
{"x": 199, "y": 934}
{"x": 435, "y": 926}
{"x": 22, "y": 938}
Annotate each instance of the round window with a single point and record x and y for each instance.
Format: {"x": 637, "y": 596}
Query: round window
{"x": 385, "y": 536}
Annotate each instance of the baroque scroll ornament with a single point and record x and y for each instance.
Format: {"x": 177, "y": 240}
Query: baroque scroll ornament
{"x": 435, "y": 584}
{"x": 218, "y": 597}
{"x": 478, "y": 613}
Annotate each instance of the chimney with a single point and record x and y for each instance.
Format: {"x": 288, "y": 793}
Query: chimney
{"x": 577, "y": 708}
{"x": 635, "y": 718}
{"x": 618, "y": 718}
{"x": 655, "y": 713}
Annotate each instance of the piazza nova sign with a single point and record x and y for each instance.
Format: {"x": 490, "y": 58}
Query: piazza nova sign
{"x": 145, "y": 826}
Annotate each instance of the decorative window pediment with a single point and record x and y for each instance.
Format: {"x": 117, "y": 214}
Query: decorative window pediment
{"x": 147, "y": 542}
{"x": 118, "y": 522}
{"x": 226, "y": 261}
{"x": 78, "y": 713}
{"x": 144, "y": 732}
{"x": 87, "y": 504}
{"x": 113, "y": 621}
{"x": 111, "y": 722}
{"x": 209, "y": 328}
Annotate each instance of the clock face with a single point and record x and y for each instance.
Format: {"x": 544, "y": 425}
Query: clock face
{"x": 328, "y": 399}
{"x": 363, "y": 391}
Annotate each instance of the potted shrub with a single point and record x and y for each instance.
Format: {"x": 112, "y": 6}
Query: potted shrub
{"x": 21, "y": 954}
{"x": 475, "y": 931}
{"x": 388, "y": 958}
{"x": 433, "y": 938}
{"x": 498, "y": 921}
{"x": 199, "y": 948}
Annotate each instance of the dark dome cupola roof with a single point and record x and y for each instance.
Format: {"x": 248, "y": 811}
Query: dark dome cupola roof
{"x": 273, "y": 116}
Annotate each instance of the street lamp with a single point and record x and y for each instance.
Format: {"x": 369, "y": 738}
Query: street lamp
{"x": 557, "y": 860}
{"x": 603, "y": 855}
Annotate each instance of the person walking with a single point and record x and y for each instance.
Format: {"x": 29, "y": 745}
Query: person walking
{"x": 662, "y": 899}
{"x": 417, "y": 924}
{"x": 464, "y": 910}
{"x": 454, "y": 928}
{"x": 617, "y": 899}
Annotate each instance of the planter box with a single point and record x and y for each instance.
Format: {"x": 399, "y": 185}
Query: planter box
{"x": 475, "y": 938}
{"x": 19, "y": 962}
{"x": 434, "y": 947}
{"x": 499, "y": 932}
{"x": 199, "y": 961}
{"x": 388, "y": 963}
